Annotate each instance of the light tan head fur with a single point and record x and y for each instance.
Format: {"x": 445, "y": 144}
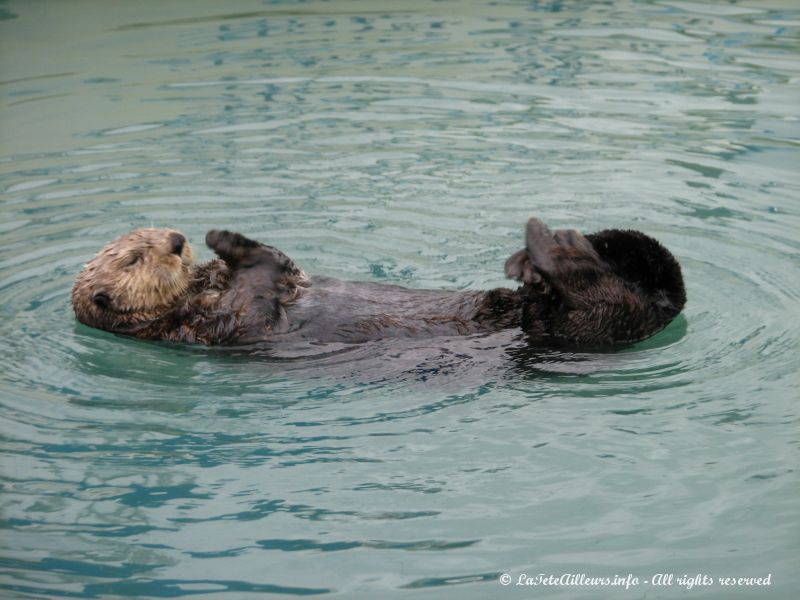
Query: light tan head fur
{"x": 136, "y": 277}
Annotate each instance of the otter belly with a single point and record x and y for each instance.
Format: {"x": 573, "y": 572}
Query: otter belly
{"x": 332, "y": 310}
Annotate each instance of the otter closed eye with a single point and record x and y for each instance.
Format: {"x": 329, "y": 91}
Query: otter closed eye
{"x": 608, "y": 288}
{"x": 101, "y": 299}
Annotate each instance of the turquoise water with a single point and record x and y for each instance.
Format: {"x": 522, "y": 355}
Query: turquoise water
{"x": 405, "y": 143}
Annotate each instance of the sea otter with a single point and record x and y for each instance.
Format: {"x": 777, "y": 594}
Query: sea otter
{"x": 603, "y": 289}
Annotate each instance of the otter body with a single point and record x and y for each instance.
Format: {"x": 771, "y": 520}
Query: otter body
{"x": 608, "y": 288}
{"x": 350, "y": 311}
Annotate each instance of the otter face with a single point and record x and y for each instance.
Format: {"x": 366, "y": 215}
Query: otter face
{"x": 134, "y": 278}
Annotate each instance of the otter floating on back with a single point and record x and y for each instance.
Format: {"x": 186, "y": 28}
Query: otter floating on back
{"x": 603, "y": 289}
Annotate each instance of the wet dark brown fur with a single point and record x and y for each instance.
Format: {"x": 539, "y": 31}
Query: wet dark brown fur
{"x": 608, "y": 288}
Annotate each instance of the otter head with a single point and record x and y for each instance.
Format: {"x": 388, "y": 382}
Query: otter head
{"x": 137, "y": 277}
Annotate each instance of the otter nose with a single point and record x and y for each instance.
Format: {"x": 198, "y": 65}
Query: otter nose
{"x": 177, "y": 241}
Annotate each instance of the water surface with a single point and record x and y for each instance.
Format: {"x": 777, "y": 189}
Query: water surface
{"x": 401, "y": 143}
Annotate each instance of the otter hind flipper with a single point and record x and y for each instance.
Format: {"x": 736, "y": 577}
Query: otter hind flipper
{"x": 540, "y": 245}
{"x": 605, "y": 288}
{"x": 550, "y": 254}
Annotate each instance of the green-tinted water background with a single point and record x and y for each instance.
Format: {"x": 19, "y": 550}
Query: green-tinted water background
{"x": 401, "y": 142}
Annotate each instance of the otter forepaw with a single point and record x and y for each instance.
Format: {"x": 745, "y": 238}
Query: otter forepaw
{"x": 230, "y": 246}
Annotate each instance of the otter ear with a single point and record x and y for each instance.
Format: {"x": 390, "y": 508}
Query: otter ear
{"x": 101, "y": 299}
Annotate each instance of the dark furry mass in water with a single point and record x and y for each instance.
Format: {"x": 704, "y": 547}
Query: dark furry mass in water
{"x": 608, "y": 288}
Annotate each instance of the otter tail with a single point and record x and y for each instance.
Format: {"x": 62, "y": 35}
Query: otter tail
{"x": 609, "y": 288}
